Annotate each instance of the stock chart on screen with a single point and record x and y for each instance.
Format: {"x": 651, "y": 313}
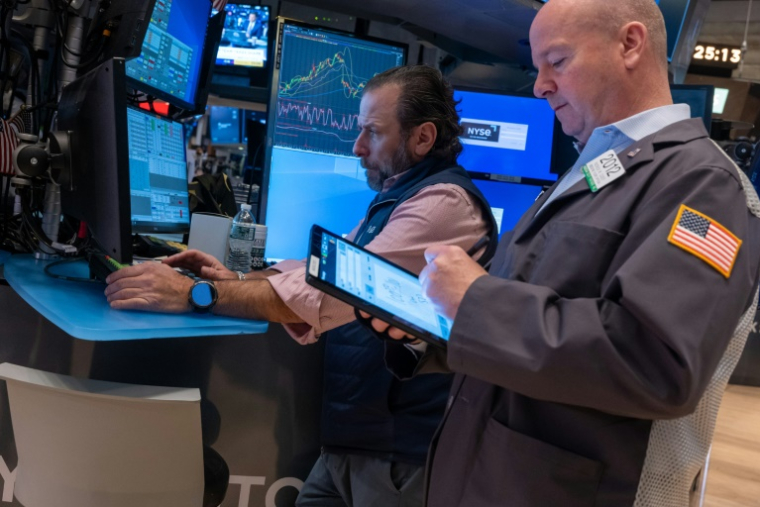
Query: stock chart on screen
{"x": 313, "y": 175}
{"x": 322, "y": 76}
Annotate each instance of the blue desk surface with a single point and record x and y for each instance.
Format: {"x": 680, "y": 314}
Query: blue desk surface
{"x": 81, "y": 309}
{"x": 4, "y": 256}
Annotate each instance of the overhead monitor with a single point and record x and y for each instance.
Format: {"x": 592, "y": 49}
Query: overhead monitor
{"x": 699, "y": 98}
{"x": 311, "y": 174}
{"x": 506, "y": 137}
{"x": 245, "y": 36}
{"x": 674, "y": 12}
{"x": 157, "y": 173}
{"x": 224, "y": 124}
{"x": 719, "y": 100}
{"x": 169, "y": 66}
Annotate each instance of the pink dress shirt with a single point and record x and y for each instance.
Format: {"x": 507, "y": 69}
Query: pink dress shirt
{"x": 437, "y": 214}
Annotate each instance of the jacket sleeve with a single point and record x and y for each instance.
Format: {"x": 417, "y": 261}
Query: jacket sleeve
{"x": 649, "y": 344}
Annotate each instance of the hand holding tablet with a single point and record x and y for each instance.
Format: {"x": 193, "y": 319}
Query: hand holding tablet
{"x": 376, "y": 286}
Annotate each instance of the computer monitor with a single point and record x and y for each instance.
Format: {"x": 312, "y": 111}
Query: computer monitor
{"x": 117, "y": 30}
{"x": 506, "y": 137}
{"x": 224, "y": 124}
{"x": 169, "y": 66}
{"x": 699, "y": 98}
{"x": 508, "y": 201}
{"x": 311, "y": 174}
{"x": 95, "y": 190}
{"x": 245, "y": 37}
{"x": 157, "y": 174}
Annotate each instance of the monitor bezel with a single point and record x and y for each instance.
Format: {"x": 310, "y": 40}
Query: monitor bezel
{"x": 274, "y": 74}
{"x": 168, "y": 97}
{"x": 155, "y": 227}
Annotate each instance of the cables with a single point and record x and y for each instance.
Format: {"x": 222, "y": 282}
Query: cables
{"x": 49, "y": 271}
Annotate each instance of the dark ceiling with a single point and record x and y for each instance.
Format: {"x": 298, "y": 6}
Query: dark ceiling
{"x": 493, "y": 27}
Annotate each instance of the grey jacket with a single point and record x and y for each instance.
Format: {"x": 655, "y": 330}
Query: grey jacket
{"x": 588, "y": 362}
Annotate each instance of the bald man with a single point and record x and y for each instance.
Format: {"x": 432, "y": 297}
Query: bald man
{"x": 591, "y": 359}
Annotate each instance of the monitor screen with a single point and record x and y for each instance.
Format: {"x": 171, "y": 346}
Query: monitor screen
{"x": 169, "y": 66}
{"x": 506, "y": 137}
{"x": 312, "y": 175}
{"x": 245, "y": 36}
{"x": 508, "y": 201}
{"x": 157, "y": 173}
{"x": 224, "y": 125}
{"x": 719, "y": 100}
{"x": 699, "y": 98}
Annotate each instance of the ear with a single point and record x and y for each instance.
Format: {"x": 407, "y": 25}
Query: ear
{"x": 423, "y": 139}
{"x": 634, "y": 38}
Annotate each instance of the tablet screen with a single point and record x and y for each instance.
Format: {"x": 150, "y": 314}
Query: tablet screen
{"x": 377, "y": 282}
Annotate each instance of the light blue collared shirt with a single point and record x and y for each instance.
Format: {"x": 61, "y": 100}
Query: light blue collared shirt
{"x": 618, "y": 137}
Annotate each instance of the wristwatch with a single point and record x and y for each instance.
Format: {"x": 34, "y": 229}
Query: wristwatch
{"x": 202, "y": 296}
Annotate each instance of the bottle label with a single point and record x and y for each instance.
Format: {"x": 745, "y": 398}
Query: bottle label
{"x": 242, "y": 232}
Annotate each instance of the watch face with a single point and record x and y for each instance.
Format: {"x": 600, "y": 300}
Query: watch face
{"x": 202, "y": 296}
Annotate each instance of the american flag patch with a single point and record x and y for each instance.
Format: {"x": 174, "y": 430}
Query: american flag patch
{"x": 702, "y": 236}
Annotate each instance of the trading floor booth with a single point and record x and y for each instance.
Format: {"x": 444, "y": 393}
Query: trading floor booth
{"x": 118, "y": 169}
{"x": 117, "y": 173}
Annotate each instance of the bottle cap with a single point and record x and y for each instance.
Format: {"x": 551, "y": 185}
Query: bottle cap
{"x": 245, "y": 206}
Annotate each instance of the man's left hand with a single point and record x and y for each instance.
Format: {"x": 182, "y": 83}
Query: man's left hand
{"x": 150, "y": 286}
{"x": 447, "y": 276}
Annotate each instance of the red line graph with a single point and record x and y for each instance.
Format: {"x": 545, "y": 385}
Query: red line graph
{"x": 315, "y": 115}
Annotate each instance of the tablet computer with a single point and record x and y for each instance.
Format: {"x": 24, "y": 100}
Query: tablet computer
{"x": 373, "y": 284}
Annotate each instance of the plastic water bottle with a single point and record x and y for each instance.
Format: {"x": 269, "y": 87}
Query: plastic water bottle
{"x": 241, "y": 240}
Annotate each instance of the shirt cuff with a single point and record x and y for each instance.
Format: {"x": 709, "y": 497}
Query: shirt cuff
{"x": 417, "y": 348}
{"x": 287, "y": 265}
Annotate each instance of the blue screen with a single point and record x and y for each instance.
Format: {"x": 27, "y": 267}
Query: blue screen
{"x": 157, "y": 173}
{"x": 224, "y": 124}
{"x": 506, "y": 137}
{"x": 508, "y": 201}
{"x": 170, "y": 62}
{"x": 313, "y": 175}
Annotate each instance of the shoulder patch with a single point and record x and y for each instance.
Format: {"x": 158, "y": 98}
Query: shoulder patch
{"x": 705, "y": 238}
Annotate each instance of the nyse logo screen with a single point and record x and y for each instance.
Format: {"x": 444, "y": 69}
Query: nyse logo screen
{"x": 480, "y": 131}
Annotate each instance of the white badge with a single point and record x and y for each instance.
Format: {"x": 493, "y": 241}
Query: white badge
{"x": 603, "y": 170}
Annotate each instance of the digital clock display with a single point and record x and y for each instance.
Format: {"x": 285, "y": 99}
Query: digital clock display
{"x": 717, "y": 54}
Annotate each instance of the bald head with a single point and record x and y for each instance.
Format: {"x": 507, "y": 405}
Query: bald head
{"x": 599, "y": 61}
{"x": 609, "y": 16}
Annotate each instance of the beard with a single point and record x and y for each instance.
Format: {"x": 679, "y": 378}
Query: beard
{"x": 377, "y": 173}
